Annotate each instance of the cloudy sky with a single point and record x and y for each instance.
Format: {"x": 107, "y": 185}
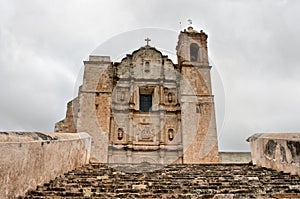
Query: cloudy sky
{"x": 253, "y": 45}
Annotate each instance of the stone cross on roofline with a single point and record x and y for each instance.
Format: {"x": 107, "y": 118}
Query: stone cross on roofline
{"x": 147, "y": 40}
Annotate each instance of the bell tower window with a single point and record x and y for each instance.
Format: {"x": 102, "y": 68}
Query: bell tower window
{"x": 194, "y": 49}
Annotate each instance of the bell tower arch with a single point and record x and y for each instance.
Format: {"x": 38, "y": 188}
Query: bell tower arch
{"x": 192, "y": 47}
{"x": 194, "y": 52}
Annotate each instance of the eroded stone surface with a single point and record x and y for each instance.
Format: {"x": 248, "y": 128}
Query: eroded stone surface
{"x": 217, "y": 181}
{"x": 29, "y": 159}
{"x": 280, "y": 151}
{"x": 179, "y": 126}
{"x": 235, "y": 157}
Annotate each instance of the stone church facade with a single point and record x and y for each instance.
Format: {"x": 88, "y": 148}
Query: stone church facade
{"x": 145, "y": 108}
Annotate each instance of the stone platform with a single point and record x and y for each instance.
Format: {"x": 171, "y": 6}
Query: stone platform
{"x": 172, "y": 181}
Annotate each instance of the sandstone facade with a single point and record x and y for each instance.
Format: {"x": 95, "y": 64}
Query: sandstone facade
{"x": 146, "y": 108}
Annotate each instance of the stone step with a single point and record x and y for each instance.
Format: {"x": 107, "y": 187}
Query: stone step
{"x": 173, "y": 181}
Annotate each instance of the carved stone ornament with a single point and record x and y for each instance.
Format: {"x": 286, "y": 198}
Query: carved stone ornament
{"x": 146, "y": 134}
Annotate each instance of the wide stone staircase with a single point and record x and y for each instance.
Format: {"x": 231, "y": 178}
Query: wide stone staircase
{"x": 172, "y": 181}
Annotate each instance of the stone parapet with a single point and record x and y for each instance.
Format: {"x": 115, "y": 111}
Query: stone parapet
{"x": 235, "y": 157}
{"x": 29, "y": 159}
{"x": 279, "y": 151}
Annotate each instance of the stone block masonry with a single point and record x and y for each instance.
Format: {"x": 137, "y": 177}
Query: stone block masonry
{"x": 185, "y": 181}
{"x": 30, "y": 159}
{"x": 235, "y": 157}
{"x": 145, "y": 108}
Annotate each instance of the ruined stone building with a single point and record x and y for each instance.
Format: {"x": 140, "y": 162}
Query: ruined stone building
{"x": 145, "y": 108}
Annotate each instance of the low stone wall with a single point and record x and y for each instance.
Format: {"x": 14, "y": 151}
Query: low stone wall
{"x": 279, "y": 151}
{"x": 28, "y": 159}
{"x": 235, "y": 157}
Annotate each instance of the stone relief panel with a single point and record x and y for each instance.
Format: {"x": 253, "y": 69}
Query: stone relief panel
{"x": 146, "y": 134}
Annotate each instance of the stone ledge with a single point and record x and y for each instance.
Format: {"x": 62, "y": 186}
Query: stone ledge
{"x": 277, "y": 136}
{"x": 24, "y": 137}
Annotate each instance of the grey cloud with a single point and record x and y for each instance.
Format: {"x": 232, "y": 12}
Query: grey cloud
{"x": 254, "y": 45}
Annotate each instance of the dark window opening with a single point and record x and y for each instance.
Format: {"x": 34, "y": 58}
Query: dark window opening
{"x": 145, "y": 102}
{"x": 194, "y": 49}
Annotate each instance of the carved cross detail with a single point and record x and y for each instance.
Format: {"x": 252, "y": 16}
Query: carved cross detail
{"x": 147, "y": 40}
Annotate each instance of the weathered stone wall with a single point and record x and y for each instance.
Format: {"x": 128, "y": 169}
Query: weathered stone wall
{"x": 30, "y": 159}
{"x": 181, "y": 119}
{"x": 279, "y": 151}
{"x": 94, "y": 99}
{"x": 200, "y": 142}
{"x": 68, "y": 125}
{"x": 151, "y": 136}
{"x": 235, "y": 157}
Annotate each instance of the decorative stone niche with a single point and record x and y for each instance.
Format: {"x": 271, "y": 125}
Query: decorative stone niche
{"x": 120, "y": 133}
{"x": 170, "y": 134}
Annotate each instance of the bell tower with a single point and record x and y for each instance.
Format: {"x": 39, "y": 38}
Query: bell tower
{"x": 194, "y": 66}
{"x": 192, "y": 47}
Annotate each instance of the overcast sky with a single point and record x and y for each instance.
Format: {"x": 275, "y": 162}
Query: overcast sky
{"x": 253, "y": 45}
